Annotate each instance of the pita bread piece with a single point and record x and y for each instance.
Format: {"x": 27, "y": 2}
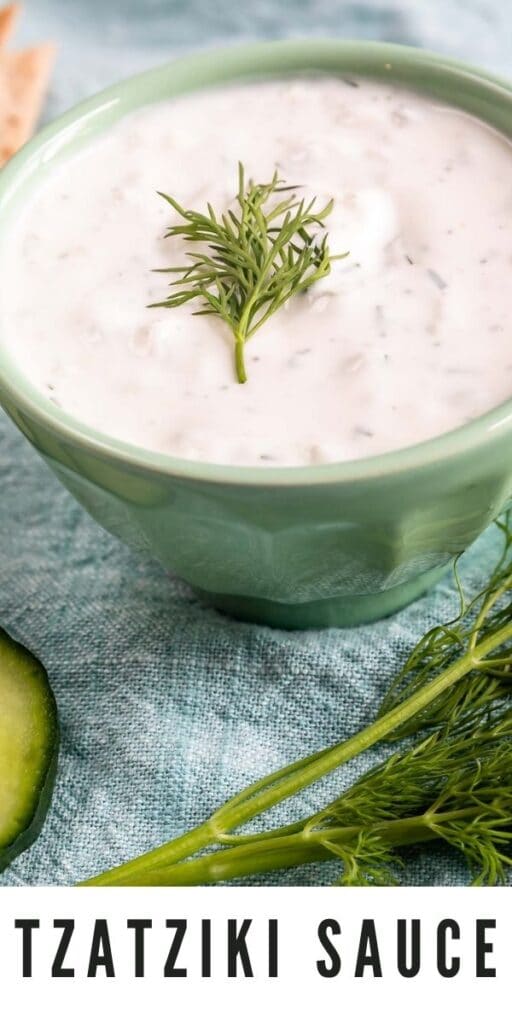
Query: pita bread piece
{"x": 8, "y": 18}
{"x": 23, "y": 80}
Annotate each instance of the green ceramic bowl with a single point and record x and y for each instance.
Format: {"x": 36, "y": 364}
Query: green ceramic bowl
{"x": 293, "y": 547}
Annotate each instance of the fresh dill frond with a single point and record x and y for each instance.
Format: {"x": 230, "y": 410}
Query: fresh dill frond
{"x": 367, "y": 859}
{"x": 455, "y": 786}
{"x": 477, "y": 619}
{"x": 256, "y": 257}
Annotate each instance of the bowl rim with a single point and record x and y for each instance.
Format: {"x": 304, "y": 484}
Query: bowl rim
{"x": 478, "y": 434}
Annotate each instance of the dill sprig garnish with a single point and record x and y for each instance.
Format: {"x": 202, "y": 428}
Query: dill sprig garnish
{"x": 257, "y": 256}
{"x": 447, "y": 776}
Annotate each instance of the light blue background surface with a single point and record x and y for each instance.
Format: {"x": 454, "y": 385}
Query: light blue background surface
{"x": 167, "y": 708}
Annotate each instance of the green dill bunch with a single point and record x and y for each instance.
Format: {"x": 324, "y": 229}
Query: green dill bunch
{"x": 444, "y": 775}
{"x": 256, "y": 257}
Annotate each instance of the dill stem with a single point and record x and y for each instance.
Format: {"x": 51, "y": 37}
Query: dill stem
{"x": 170, "y": 853}
{"x": 280, "y": 785}
{"x": 239, "y": 358}
{"x": 274, "y": 854}
{"x": 236, "y": 862}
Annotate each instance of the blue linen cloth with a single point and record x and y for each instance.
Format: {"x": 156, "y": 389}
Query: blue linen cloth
{"x": 168, "y": 708}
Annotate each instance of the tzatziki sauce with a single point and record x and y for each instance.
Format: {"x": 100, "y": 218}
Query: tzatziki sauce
{"x": 407, "y": 338}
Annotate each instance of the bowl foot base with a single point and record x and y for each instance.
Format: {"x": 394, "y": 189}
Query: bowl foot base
{"x": 351, "y": 610}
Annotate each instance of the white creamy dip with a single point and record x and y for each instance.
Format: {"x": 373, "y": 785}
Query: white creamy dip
{"x": 408, "y": 337}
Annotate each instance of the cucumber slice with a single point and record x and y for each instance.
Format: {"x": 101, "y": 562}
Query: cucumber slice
{"x": 29, "y": 742}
